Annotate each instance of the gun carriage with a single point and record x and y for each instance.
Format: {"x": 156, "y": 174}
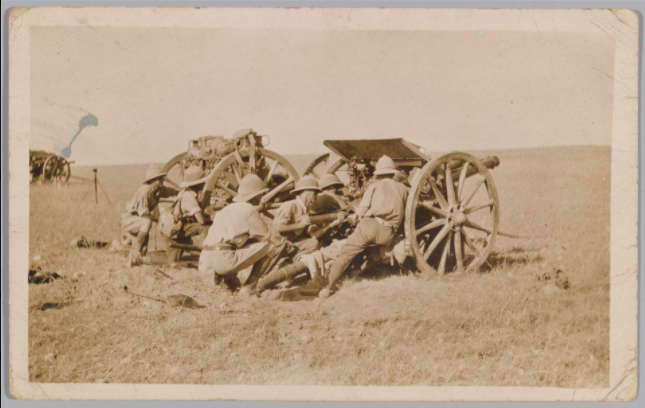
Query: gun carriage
{"x": 451, "y": 216}
{"x": 452, "y": 212}
{"x": 227, "y": 160}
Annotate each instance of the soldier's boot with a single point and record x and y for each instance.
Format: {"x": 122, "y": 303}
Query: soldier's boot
{"x": 264, "y": 265}
{"x": 138, "y": 250}
{"x": 280, "y": 275}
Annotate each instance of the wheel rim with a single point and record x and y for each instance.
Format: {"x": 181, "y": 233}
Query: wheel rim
{"x": 174, "y": 170}
{"x": 48, "y": 169}
{"x": 452, "y": 216}
{"x": 224, "y": 180}
{"x": 63, "y": 171}
{"x": 317, "y": 166}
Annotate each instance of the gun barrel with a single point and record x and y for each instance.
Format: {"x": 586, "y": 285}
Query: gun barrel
{"x": 323, "y": 219}
{"x": 489, "y": 162}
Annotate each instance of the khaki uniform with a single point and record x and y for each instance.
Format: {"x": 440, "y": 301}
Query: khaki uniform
{"x": 292, "y": 212}
{"x": 135, "y": 220}
{"x": 187, "y": 207}
{"x": 382, "y": 209}
{"x": 233, "y": 226}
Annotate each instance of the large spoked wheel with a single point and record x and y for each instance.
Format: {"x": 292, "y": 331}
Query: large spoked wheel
{"x": 452, "y": 215}
{"x": 63, "y": 171}
{"x": 328, "y": 164}
{"x": 174, "y": 171}
{"x": 224, "y": 181}
{"x": 49, "y": 169}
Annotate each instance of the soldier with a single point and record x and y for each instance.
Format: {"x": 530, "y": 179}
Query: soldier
{"x": 331, "y": 186}
{"x": 140, "y": 212}
{"x": 187, "y": 213}
{"x": 380, "y": 212}
{"x": 292, "y": 218}
{"x": 238, "y": 247}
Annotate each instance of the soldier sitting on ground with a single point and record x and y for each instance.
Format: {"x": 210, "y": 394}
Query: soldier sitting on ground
{"x": 292, "y": 218}
{"x": 239, "y": 247}
{"x": 139, "y": 213}
{"x": 185, "y": 223}
{"x": 381, "y": 212}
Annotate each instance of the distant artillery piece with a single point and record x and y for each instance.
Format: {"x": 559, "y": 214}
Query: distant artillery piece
{"x": 49, "y": 167}
{"x": 226, "y": 161}
{"x": 451, "y": 222}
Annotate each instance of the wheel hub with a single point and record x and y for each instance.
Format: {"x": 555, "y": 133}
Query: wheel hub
{"x": 456, "y": 217}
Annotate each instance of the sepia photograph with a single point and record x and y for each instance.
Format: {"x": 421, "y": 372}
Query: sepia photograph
{"x": 323, "y": 204}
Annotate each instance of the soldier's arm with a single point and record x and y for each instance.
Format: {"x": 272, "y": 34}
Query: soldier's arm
{"x": 190, "y": 204}
{"x": 283, "y": 221}
{"x": 258, "y": 229}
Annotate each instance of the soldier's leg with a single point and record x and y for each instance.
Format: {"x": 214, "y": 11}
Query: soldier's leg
{"x": 307, "y": 246}
{"x": 172, "y": 254}
{"x": 362, "y": 236}
{"x": 141, "y": 239}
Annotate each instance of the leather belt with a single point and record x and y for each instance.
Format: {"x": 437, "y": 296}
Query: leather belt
{"x": 219, "y": 246}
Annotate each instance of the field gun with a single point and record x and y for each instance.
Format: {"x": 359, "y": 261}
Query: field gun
{"x": 452, "y": 212}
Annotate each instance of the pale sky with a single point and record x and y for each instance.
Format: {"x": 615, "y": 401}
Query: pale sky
{"x": 154, "y": 89}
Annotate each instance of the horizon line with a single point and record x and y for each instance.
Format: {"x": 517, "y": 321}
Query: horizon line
{"x": 321, "y": 153}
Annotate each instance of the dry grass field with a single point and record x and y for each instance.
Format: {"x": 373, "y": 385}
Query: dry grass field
{"x": 501, "y": 326}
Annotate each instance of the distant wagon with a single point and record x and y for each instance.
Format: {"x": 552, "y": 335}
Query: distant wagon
{"x": 48, "y": 167}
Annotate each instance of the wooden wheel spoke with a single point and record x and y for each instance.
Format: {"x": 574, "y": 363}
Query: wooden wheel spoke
{"x": 450, "y": 186}
{"x": 470, "y": 196}
{"x": 442, "y": 201}
{"x": 458, "y": 252}
{"x": 471, "y": 210}
{"x": 437, "y": 240}
{"x": 236, "y": 172}
{"x": 274, "y": 165}
{"x": 268, "y": 196}
{"x": 172, "y": 183}
{"x": 470, "y": 243}
{"x": 462, "y": 180}
{"x": 432, "y": 225}
{"x": 444, "y": 255}
{"x": 476, "y": 226}
{"x": 429, "y": 205}
{"x": 227, "y": 190}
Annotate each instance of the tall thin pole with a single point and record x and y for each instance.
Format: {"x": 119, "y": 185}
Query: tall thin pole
{"x": 96, "y": 190}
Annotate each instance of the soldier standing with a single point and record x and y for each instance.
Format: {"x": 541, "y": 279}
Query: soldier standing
{"x": 381, "y": 212}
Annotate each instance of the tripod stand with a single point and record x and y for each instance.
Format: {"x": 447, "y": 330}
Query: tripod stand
{"x": 97, "y": 184}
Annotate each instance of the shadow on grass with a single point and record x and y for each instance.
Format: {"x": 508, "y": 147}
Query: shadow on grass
{"x": 51, "y": 305}
{"x": 516, "y": 256}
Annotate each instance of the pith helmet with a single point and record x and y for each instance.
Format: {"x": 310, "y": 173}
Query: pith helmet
{"x": 385, "y": 165}
{"x": 306, "y": 183}
{"x": 154, "y": 172}
{"x": 330, "y": 180}
{"x": 193, "y": 176}
{"x": 251, "y": 186}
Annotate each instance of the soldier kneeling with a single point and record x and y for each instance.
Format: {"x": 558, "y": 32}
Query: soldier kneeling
{"x": 185, "y": 222}
{"x": 238, "y": 248}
